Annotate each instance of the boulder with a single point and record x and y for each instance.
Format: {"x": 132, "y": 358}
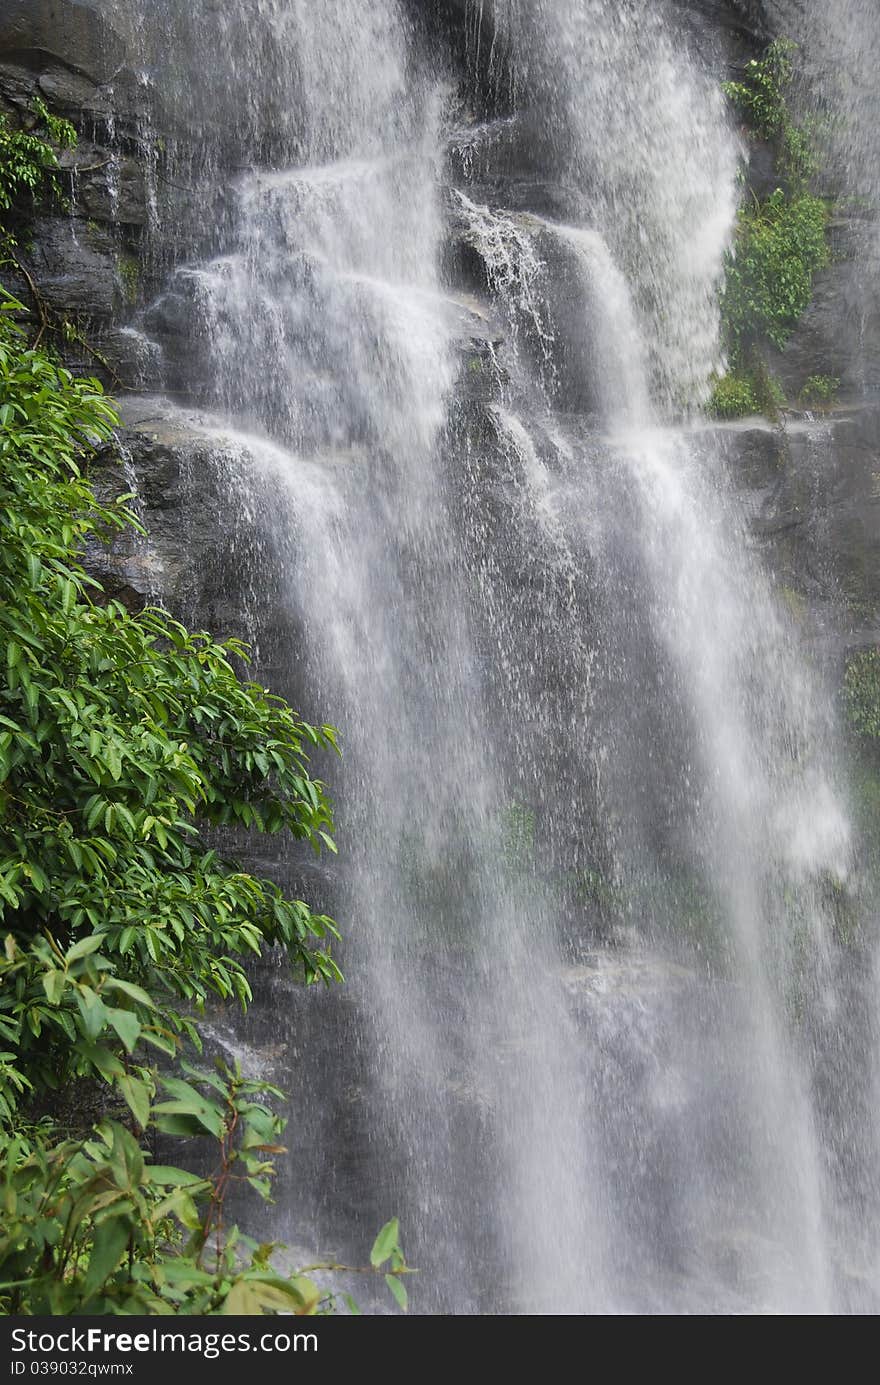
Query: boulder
{"x": 73, "y": 34}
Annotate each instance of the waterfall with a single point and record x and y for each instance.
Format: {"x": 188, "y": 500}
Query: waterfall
{"x": 590, "y": 813}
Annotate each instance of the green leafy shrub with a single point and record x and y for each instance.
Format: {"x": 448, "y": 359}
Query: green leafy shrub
{"x": 733, "y": 396}
{"x": 122, "y": 737}
{"x": 820, "y": 391}
{"x": 761, "y": 98}
{"x": 117, "y": 733}
{"x": 761, "y": 95}
{"x": 92, "y": 1225}
{"x": 29, "y": 162}
{"x": 779, "y": 246}
{"x": 518, "y": 837}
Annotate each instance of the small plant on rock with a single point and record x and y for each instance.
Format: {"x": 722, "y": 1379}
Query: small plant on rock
{"x": 29, "y": 164}
{"x": 733, "y": 396}
{"x": 820, "y": 392}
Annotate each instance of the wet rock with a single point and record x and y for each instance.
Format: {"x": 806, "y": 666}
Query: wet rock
{"x": 108, "y": 186}
{"x": 135, "y": 360}
{"x": 834, "y": 476}
{"x": 172, "y": 470}
{"x": 72, "y": 32}
{"x": 745, "y": 21}
{"x": 75, "y": 265}
{"x": 839, "y": 334}
{"x": 810, "y": 488}
{"x": 210, "y": 554}
{"x": 17, "y": 87}
{"x": 475, "y": 326}
{"x": 606, "y": 983}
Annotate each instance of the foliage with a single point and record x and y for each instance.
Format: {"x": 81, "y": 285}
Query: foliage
{"x": 733, "y": 396}
{"x": 751, "y": 389}
{"x": 28, "y": 162}
{"x": 820, "y": 391}
{"x": 92, "y": 1225}
{"x": 861, "y": 685}
{"x": 115, "y": 732}
{"x": 122, "y": 737}
{"x": 779, "y": 245}
{"x": 779, "y": 241}
{"x": 762, "y": 100}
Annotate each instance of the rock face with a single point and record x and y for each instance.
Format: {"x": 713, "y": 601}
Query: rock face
{"x": 68, "y": 34}
{"x": 811, "y": 486}
{"x": 90, "y": 261}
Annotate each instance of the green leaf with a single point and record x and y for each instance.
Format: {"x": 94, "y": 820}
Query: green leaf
{"x": 105, "y": 1062}
{"x": 53, "y": 984}
{"x": 83, "y": 948}
{"x": 306, "y": 1290}
{"x": 137, "y": 1095}
{"x": 110, "y": 1240}
{"x": 168, "y": 1177}
{"x": 398, "y": 1289}
{"x": 179, "y": 1203}
{"x": 115, "y": 983}
{"x": 126, "y": 939}
{"x": 385, "y": 1242}
{"x": 179, "y": 1272}
{"x": 127, "y": 1026}
{"x": 92, "y": 1010}
{"x": 164, "y": 1042}
{"x": 243, "y": 1301}
{"x": 195, "y": 1107}
{"x": 175, "y": 1123}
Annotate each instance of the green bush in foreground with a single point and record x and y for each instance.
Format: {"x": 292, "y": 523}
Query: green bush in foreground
{"x": 121, "y": 737}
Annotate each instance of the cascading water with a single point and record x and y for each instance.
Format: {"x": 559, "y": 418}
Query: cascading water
{"x": 589, "y": 811}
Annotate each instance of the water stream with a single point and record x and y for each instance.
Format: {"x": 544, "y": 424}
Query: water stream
{"x": 591, "y": 813}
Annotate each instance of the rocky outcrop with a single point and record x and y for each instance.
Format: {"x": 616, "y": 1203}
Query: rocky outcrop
{"x": 88, "y": 258}
{"x": 811, "y": 487}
